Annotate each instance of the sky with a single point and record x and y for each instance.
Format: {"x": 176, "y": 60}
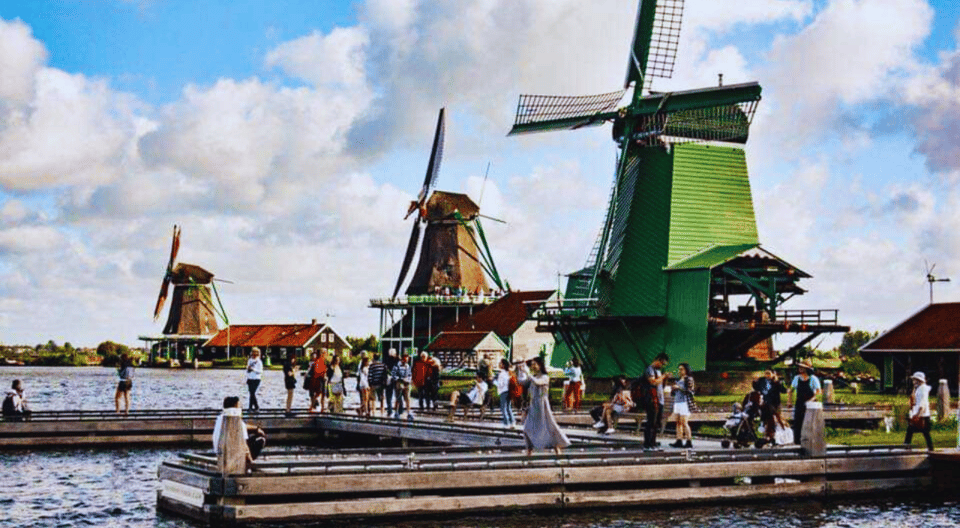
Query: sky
{"x": 288, "y": 137}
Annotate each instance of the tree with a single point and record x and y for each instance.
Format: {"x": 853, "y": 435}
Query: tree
{"x": 363, "y": 344}
{"x": 852, "y": 341}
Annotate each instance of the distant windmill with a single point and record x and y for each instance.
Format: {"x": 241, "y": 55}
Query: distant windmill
{"x": 454, "y": 253}
{"x": 192, "y": 309}
{"x": 931, "y": 279}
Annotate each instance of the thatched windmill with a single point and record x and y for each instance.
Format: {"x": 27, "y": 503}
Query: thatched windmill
{"x": 454, "y": 253}
{"x": 192, "y": 311}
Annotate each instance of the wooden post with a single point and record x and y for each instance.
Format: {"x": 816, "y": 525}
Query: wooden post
{"x": 827, "y": 391}
{"x": 943, "y": 400}
{"x": 232, "y": 446}
{"x": 812, "y": 435}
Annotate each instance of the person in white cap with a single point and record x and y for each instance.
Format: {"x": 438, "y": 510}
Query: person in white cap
{"x": 919, "y": 410}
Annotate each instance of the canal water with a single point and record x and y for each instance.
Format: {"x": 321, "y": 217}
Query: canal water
{"x": 92, "y": 487}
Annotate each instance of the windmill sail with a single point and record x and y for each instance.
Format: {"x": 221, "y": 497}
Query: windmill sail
{"x": 540, "y": 113}
{"x": 656, "y": 38}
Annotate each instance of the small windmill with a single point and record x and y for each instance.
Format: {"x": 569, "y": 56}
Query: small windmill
{"x": 931, "y": 278}
{"x": 192, "y": 309}
{"x": 454, "y": 253}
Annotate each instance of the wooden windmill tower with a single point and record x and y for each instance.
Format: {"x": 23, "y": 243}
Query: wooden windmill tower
{"x": 454, "y": 258}
{"x": 192, "y": 312}
{"x": 679, "y": 236}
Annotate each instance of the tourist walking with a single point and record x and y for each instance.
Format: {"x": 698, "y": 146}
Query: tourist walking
{"x": 316, "y": 382}
{"x": 421, "y": 373}
{"x": 402, "y": 375}
{"x": 335, "y": 384}
{"x": 807, "y": 387}
{"x": 571, "y": 395}
{"x": 290, "y": 370}
{"x": 651, "y": 384}
{"x": 377, "y": 375}
{"x": 15, "y": 407}
{"x": 390, "y": 361}
{"x": 363, "y": 386}
{"x": 919, "y": 410}
{"x": 683, "y": 391}
{"x": 540, "y": 429}
{"x": 254, "y": 373}
{"x": 125, "y": 373}
{"x": 770, "y": 409}
{"x": 502, "y": 381}
{"x": 433, "y": 382}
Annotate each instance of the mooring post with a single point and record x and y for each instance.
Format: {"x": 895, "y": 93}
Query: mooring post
{"x": 813, "y": 439}
{"x": 943, "y": 400}
{"x": 827, "y": 391}
{"x": 232, "y": 447}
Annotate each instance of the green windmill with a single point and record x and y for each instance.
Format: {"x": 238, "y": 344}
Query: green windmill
{"x": 677, "y": 266}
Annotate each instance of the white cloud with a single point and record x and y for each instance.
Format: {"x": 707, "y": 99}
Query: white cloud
{"x": 335, "y": 60}
{"x": 21, "y": 57}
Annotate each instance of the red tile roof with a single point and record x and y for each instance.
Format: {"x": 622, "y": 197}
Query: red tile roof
{"x": 269, "y": 335}
{"x": 504, "y": 316}
{"x": 458, "y": 341}
{"x": 935, "y": 328}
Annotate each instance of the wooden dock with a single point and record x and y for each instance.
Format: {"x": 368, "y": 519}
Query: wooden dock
{"x": 306, "y": 487}
{"x": 195, "y": 428}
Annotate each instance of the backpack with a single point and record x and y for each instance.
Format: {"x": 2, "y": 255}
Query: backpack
{"x": 514, "y": 388}
{"x": 9, "y": 408}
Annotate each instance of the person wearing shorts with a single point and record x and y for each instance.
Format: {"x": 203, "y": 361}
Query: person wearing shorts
{"x": 682, "y": 398}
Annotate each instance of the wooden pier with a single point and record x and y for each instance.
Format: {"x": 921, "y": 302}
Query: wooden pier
{"x": 195, "y": 428}
{"x": 320, "y": 486}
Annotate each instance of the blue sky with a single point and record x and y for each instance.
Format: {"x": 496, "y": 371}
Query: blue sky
{"x": 287, "y": 137}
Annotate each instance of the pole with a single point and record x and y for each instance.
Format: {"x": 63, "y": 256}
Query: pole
{"x": 228, "y": 341}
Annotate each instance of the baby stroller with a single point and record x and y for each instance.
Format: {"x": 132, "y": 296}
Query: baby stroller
{"x": 741, "y": 424}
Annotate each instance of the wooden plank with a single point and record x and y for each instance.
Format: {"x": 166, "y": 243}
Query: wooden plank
{"x": 690, "y": 495}
{"x": 391, "y": 507}
{"x": 389, "y": 482}
{"x": 186, "y": 477}
{"x": 855, "y": 464}
{"x": 185, "y": 510}
{"x": 871, "y": 485}
{"x": 693, "y": 471}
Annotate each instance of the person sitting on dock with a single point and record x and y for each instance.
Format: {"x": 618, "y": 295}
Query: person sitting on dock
{"x": 468, "y": 399}
{"x": 255, "y": 442}
{"x": 15, "y": 404}
{"x": 620, "y": 403}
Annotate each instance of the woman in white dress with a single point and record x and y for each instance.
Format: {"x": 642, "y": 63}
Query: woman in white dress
{"x": 540, "y": 429}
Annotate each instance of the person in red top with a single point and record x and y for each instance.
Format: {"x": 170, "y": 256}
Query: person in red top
{"x": 316, "y": 382}
{"x": 421, "y": 374}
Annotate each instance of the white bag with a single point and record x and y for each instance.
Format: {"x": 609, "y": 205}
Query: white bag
{"x": 783, "y": 436}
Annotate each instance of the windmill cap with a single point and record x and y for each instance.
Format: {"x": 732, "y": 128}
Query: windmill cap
{"x": 919, "y": 376}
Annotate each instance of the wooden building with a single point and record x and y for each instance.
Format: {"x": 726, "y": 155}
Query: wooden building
{"x": 509, "y": 319}
{"x": 927, "y": 341}
{"x": 275, "y": 341}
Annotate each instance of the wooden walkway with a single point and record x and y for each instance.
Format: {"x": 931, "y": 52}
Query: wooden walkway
{"x": 195, "y": 427}
{"x": 316, "y": 486}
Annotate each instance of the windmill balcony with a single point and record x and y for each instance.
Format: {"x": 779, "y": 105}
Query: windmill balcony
{"x": 746, "y": 316}
{"x": 434, "y": 300}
